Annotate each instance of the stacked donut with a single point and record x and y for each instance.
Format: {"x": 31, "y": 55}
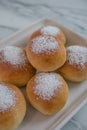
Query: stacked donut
{"x": 46, "y": 90}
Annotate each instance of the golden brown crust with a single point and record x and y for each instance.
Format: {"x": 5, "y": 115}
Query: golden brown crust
{"x": 16, "y": 74}
{"x": 48, "y": 107}
{"x": 12, "y": 117}
{"x": 47, "y": 61}
{"x": 60, "y": 36}
{"x": 75, "y": 67}
{"x": 73, "y": 72}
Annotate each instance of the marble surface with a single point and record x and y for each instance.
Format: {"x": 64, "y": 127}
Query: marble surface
{"x": 17, "y": 14}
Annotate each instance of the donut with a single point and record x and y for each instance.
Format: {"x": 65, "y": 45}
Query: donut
{"x": 45, "y": 53}
{"x": 14, "y": 66}
{"x": 47, "y": 92}
{"x": 52, "y": 31}
{"x": 12, "y": 106}
{"x": 75, "y": 67}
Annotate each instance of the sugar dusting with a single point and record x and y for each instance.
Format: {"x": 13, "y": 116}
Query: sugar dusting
{"x": 77, "y": 55}
{"x": 44, "y": 44}
{"x": 7, "y": 98}
{"x": 50, "y": 30}
{"x": 46, "y": 85}
{"x": 13, "y": 55}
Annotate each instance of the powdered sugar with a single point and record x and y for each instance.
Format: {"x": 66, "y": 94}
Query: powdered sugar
{"x": 50, "y": 30}
{"x": 44, "y": 44}
{"x": 13, "y": 55}
{"x": 7, "y": 98}
{"x": 46, "y": 85}
{"x": 77, "y": 55}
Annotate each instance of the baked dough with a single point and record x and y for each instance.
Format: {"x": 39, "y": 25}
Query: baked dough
{"x": 75, "y": 67}
{"x": 45, "y": 53}
{"x": 14, "y": 66}
{"x": 12, "y": 106}
{"x": 47, "y": 92}
{"x": 52, "y": 31}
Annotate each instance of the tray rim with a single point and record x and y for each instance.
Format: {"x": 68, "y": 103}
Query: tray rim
{"x": 81, "y": 101}
{"x": 19, "y": 31}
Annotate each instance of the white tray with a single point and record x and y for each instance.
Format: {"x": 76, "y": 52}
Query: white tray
{"x": 34, "y": 120}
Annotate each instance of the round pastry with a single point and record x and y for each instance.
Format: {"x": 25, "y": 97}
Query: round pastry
{"x": 47, "y": 92}
{"x": 52, "y": 31}
{"x": 75, "y": 67}
{"x": 12, "y": 106}
{"x": 45, "y": 53}
{"x": 14, "y": 66}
